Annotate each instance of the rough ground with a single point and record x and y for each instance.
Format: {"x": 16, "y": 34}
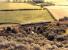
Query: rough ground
{"x": 52, "y": 37}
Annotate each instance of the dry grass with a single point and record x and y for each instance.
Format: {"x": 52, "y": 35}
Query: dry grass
{"x": 17, "y": 6}
{"x": 25, "y": 16}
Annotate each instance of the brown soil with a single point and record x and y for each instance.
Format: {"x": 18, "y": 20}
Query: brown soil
{"x": 53, "y": 37}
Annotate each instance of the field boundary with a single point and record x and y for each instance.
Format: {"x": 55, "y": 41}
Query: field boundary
{"x": 51, "y": 14}
{"x": 18, "y": 9}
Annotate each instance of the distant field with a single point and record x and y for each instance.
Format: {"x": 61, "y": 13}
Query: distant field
{"x": 58, "y": 11}
{"x": 8, "y": 6}
{"x": 25, "y": 16}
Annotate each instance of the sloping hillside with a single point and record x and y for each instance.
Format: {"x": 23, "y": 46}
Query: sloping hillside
{"x": 25, "y": 16}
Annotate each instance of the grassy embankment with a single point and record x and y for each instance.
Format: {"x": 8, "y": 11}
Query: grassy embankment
{"x": 23, "y": 16}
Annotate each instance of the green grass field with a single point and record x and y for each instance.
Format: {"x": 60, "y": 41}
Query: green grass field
{"x": 25, "y": 16}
